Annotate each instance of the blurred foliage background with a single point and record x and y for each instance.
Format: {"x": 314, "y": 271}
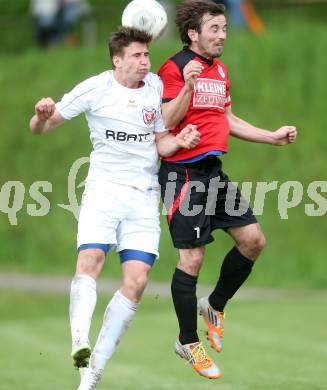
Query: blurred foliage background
{"x": 278, "y": 77}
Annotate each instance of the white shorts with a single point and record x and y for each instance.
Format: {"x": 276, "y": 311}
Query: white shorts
{"x": 119, "y": 215}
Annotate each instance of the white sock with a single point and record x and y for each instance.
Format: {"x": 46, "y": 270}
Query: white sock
{"x": 83, "y": 299}
{"x": 117, "y": 317}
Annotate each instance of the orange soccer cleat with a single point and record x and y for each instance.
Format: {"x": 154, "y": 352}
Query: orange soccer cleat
{"x": 197, "y": 356}
{"x": 214, "y": 322}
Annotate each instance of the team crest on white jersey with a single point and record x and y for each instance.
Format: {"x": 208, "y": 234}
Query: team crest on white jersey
{"x": 221, "y": 72}
{"x": 149, "y": 115}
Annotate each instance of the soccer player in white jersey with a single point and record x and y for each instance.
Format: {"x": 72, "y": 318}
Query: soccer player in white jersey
{"x": 120, "y": 202}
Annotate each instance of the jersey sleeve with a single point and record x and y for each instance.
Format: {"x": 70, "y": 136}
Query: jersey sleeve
{"x": 172, "y": 81}
{"x": 159, "y": 126}
{"x": 228, "y": 100}
{"x": 78, "y": 100}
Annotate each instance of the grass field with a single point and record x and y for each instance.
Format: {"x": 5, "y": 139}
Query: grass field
{"x": 270, "y": 344}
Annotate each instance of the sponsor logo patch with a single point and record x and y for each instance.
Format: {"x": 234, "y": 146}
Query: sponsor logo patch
{"x": 121, "y": 136}
{"x": 209, "y": 93}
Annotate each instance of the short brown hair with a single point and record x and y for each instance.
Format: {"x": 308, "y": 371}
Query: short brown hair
{"x": 189, "y": 15}
{"x": 124, "y": 37}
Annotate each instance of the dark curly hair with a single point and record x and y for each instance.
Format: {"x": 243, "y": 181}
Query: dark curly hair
{"x": 189, "y": 15}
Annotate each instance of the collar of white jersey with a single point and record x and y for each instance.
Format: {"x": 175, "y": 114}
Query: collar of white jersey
{"x": 130, "y": 90}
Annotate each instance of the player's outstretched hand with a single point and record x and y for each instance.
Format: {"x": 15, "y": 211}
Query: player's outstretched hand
{"x": 191, "y": 71}
{"x": 45, "y": 108}
{"x": 189, "y": 137}
{"x": 285, "y": 135}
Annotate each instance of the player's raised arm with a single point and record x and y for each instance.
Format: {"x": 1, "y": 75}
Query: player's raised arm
{"x": 174, "y": 110}
{"x": 168, "y": 144}
{"x": 245, "y": 131}
{"x": 46, "y": 116}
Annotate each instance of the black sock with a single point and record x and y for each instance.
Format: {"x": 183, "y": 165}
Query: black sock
{"x": 183, "y": 290}
{"x": 234, "y": 271}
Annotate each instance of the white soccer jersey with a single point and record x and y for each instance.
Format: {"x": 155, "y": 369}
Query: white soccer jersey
{"x": 122, "y": 123}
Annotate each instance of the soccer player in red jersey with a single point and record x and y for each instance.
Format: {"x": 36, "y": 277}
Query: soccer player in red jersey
{"x": 197, "y": 91}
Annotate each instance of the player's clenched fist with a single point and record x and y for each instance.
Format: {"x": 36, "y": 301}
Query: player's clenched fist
{"x": 45, "y": 108}
{"x": 285, "y": 135}
{"x": 191, "y": 71}
{"x": 189, "y": 137}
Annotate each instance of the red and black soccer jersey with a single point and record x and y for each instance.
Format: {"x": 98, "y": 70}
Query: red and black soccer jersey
{"x": 208, "y": 103}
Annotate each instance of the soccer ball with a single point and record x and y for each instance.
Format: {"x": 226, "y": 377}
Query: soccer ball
{"x": 147, "y": 15}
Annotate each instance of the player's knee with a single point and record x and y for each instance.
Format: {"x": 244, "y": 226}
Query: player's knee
{"x": 190, "y": 261}
{"x": 90, "y": 262}
{"x": 191, "y": 269}
{"x": 253, "y": 245}
{"x": 136, "y": 284}
{"x": 140, "y": 282}
{"x": 260, "y": 242}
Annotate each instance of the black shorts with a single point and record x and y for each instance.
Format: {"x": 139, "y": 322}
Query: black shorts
{"x": 199, "y": 198}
